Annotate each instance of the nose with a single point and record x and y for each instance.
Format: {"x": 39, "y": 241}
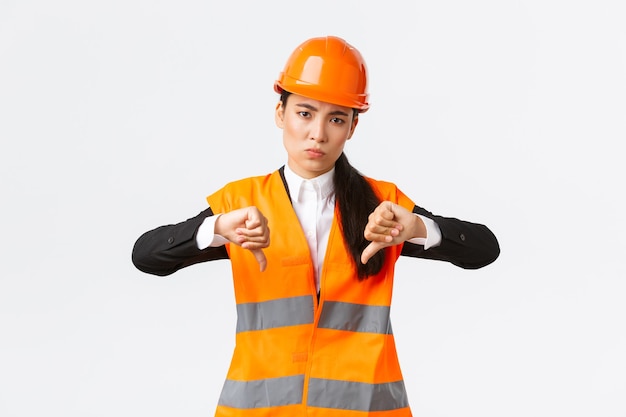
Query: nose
{"x": 318, "y": 131}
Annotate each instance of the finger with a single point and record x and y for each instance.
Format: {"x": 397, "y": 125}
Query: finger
{"x": 384, "y": 218}
{"x": 379, "y": 232}
{"x": 251, "y": 233}
{"x": 252, "y": 223}
{"x": 259, "y": 255}
{"x": 370, "y": 250}
{"x": 379, "y": 237}
{"x": 384, "y": 222}
{"x": 374, "y": 232}
{"x": 254, "y": 219}
{"x": 389, "y": 213}
{"x": 251, "y": 239}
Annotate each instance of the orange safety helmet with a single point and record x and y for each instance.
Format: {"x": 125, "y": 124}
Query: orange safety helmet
{"x": 326, "y": 69}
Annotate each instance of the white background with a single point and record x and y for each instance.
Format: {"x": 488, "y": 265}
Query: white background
{"x": 119, "y": 116}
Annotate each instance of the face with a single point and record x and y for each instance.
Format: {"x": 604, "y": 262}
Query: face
{"x": 314, "y": 133}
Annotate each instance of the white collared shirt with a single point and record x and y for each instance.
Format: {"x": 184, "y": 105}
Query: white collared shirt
{"x": 313, "y": 201}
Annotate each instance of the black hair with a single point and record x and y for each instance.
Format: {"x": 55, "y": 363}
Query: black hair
{"x": 356, "y": 200}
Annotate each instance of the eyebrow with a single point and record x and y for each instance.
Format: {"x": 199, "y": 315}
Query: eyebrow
{"x": 313, "y": 108}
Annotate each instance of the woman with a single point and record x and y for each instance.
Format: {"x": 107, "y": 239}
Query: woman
{"x": 313, "y": 247}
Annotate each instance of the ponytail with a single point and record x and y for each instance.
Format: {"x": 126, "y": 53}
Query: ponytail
{"x": 356, "y": 200}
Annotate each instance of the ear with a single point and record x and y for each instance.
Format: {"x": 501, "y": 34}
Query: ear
{"x": 355, "y": 122}
{"x": 279, "y": 115}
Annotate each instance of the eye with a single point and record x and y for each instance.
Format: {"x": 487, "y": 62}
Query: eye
{"x": 304, "y": 113}
{"x": 337, "y": 120}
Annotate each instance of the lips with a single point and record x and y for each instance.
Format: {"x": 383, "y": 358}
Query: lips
{"x": 315, "y": 152}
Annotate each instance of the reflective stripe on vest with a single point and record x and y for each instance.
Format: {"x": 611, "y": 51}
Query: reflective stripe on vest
{"x": 357, "y": 396}
{"x": 275, "y": 313}
{"x": 299, "y": 310}
{"x": 262, "y": 393}
{"x": 323, "y": 393}
{"x": 355, "y": 317}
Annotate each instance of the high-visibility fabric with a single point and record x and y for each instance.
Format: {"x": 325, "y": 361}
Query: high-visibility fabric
{"x": 295, "y": 355}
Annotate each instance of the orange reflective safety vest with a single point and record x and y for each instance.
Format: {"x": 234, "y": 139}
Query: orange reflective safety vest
{"x": 295, "y": 355}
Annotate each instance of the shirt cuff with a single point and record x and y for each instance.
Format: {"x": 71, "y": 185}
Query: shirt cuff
{"x": 206, "y": 237}
{"x": 433, "y": 234}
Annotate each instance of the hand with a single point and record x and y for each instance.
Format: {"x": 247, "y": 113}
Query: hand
{"x": 246, "y": 227}
{"x": 390, "y": 224}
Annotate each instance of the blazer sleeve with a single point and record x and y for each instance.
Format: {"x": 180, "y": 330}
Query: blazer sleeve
{"x": 464, "y": 244}
{"x": 166, "y": 249}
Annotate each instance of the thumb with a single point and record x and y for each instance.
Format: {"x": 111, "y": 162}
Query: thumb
{"x": 370, "y": 250}
{"x": 260, "y": 258}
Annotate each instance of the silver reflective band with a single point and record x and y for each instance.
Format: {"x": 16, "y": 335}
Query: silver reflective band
{"x": 355, "y": 317}
{"x": 262, "y": 393}
{"x": 275, "y": 313}
{"x": 357, "y": 396}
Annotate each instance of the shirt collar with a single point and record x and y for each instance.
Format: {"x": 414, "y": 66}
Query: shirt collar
{"x": 323, "y": 183}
